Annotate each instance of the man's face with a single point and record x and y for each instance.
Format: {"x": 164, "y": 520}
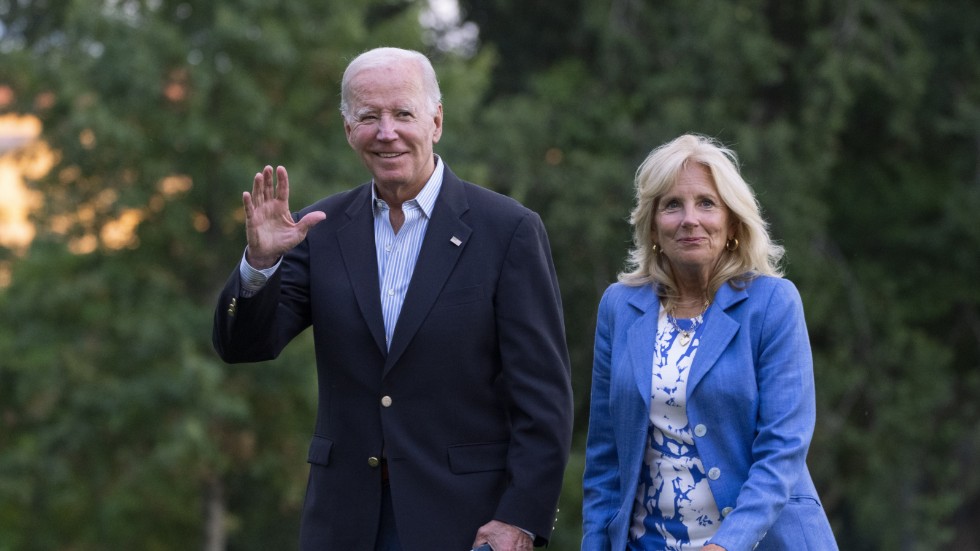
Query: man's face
{"x": 392, "y": 127}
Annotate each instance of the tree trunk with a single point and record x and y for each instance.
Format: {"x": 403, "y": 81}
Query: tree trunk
{"x": 215, "y": 535}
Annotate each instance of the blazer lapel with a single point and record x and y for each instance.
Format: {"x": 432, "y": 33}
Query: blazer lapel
{"x": 719, "y": 330}
{"x": 356, "y": 241}
{"x": 641, "y": 338}
{"x": 445, "y": 239}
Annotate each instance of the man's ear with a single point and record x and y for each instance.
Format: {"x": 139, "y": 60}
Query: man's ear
{"x": 347, "y": 130}
{"x": 437, "y": 119}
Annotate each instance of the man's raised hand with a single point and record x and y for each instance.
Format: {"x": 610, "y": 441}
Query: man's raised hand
{"x": 269, "y": 224}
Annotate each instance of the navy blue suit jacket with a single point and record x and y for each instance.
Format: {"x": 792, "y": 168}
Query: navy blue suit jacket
{"x": 471, "y": 405}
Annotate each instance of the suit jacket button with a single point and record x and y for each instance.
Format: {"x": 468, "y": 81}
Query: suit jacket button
{"x": 373, "y": 462}
{"x": 386, "y": 401}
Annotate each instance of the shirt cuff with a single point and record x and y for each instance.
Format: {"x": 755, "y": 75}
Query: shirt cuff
{"x": 254, "y": 280}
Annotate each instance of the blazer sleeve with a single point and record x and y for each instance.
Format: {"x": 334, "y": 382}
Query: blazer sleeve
{"x": 537, "y": 374}
{"x": 257, "y": 328}
{"x": 785, "y": 419}
{"x": 601, "y": 495}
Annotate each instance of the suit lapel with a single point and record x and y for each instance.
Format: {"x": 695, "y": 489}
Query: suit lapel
{"x": 641, "y": 338}
{"x": 356, "y": 240}
{"x": 445, "y": 239}
{"x": 719, "y": 330}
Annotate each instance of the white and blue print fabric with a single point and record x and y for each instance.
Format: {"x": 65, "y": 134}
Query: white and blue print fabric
{"x": 674, "y": 508}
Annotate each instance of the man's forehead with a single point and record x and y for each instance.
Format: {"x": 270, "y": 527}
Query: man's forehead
{"x": 382, "y": 103}
{"x": 387, "y": 96}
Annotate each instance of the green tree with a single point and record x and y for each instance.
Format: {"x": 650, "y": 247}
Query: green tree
{"x": 121, "y": 428}
{"x": 857, "y": 125}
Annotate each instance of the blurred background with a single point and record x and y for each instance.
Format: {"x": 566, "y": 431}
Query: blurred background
{"x": 129, "y": 129}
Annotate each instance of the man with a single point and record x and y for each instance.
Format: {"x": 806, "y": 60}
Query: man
{"x": 444, "y": 418}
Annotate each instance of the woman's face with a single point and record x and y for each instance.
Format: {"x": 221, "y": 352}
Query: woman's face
{"x": 691, "y": 223}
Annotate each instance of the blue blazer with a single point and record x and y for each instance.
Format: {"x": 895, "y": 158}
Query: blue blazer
{"x": 750, "y": 400}
{"x": 471, "y": 404}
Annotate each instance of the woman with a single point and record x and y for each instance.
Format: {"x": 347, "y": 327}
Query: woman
{"x": 702, "y": 395}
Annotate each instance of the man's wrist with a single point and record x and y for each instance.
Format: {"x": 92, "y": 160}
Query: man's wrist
{"x": 261, "y": 262}
{"x": 252, "y": 278}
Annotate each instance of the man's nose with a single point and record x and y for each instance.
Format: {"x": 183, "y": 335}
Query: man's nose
{"x": 386, "y": 128}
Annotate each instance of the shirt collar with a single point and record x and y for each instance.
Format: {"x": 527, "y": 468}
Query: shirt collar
{"x": 426, "y": 198}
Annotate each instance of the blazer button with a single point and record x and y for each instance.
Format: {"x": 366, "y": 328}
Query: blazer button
{"x": 714, "y": 473}
{"x": 700, "y": 430}
{"x": 373, "y": 462}
{"x": 726, "y": 511}
{"x": 386, "y": 401}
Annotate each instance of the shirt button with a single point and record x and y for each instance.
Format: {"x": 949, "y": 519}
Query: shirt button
{"x": 373, "y": 462}
{"x": 386, "y": 401}
{"x": 700, "y": 430}
{"x": 714, "y": 473}
{"x": 391, "y": 292}
{"x": 388, "y": 247}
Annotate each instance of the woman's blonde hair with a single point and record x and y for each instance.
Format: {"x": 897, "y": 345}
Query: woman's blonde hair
{"x": 755, "y": 254}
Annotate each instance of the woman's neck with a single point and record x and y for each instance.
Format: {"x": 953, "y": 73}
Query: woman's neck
{"x": 688, "y": 307}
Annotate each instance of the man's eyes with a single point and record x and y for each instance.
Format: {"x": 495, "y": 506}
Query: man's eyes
{"x": 399, "y": 115}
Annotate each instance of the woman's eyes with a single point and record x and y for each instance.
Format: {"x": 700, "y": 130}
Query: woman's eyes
{"x": 672, "y": 205}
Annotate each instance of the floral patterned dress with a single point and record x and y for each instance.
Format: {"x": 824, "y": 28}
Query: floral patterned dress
{"x": 674, "y": 508}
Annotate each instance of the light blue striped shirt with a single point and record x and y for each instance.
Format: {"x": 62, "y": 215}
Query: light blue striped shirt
{"x": 397, "y": 252}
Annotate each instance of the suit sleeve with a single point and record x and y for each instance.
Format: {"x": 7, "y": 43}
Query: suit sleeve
{"x": 257, "y": 328}
{"x": 535, "y": 363}
{"x": 601, "y": 495}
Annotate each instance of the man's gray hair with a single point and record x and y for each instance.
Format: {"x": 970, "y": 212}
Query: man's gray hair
{"x": 381, "y": 57}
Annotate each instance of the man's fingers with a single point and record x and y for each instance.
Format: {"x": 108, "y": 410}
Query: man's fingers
{"x": 257, "y": 187}
{"x": 247, "y": 203}
{"x": 268, "y": 185}
{"x": 282, "y": 190}
{"x": 312, "y": 219}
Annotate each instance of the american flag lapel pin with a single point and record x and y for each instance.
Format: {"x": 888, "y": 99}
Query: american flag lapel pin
{"x": 455, "y": 241}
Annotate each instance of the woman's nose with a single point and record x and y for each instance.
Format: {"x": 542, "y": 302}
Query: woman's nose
{"x": 690, "y": 216}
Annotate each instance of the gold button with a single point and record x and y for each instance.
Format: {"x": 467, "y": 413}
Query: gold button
{"x": 386, "y": 401}
{"x": 373, "y": 462}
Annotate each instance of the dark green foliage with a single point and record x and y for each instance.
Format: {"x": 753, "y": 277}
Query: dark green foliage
{"x": 857, "y": 123}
